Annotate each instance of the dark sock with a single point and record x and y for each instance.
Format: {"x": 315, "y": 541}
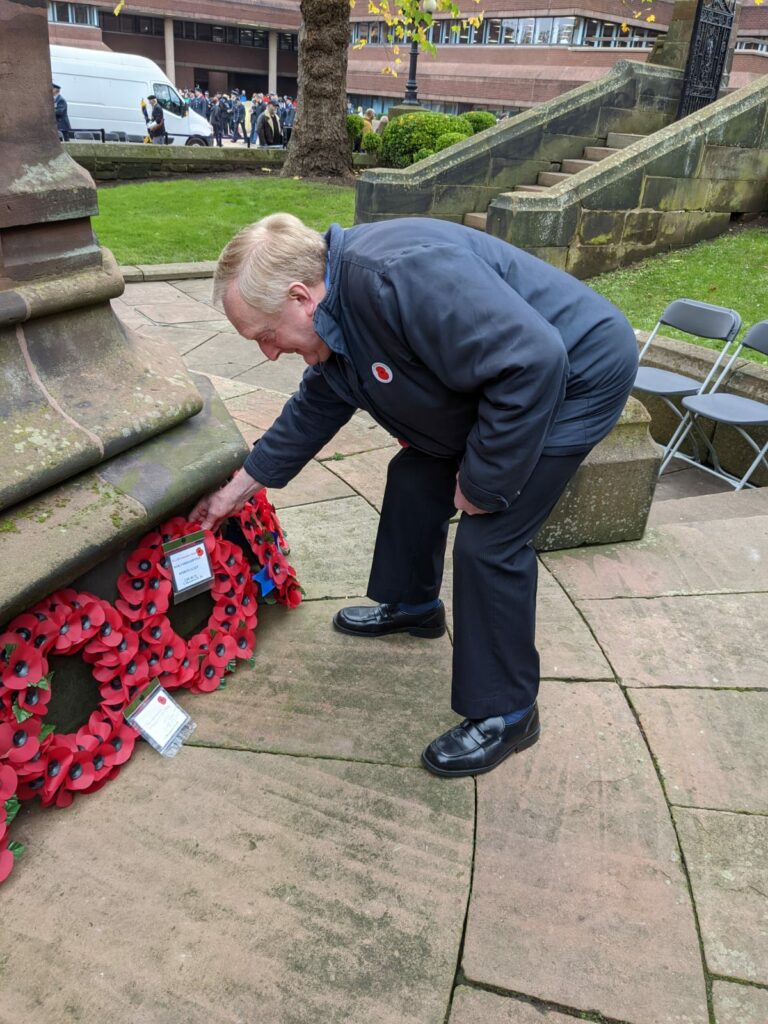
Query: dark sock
{"x": 512, "y": 717}
{"x": 418, "y": 609}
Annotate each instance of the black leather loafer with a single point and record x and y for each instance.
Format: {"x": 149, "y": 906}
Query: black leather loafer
{"x": 382, "y": 619}
{"x": 478, "y": 745}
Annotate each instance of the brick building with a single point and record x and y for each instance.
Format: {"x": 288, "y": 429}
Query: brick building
{"x": 523, "y": 53}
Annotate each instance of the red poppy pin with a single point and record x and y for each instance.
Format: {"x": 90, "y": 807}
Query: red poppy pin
{"x": 382, "y": 373}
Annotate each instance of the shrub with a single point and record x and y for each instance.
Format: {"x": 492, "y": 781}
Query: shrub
{"x": 354, "y": 130}
{"x": 371, "y": 143}
{"x": 422, "y": 154}
{"x": 480, "y": 120}
{"x": 449, "y": 139}
{"x": 405, "y": 136}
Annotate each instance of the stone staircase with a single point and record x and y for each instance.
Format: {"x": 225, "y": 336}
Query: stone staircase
{"x": 591, "y": 155}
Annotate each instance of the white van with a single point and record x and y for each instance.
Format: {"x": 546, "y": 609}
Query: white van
{"x": 104, "y": 90}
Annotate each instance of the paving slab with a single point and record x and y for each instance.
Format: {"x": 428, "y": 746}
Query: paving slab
{"x": 283, "y": 374}
{"x": 313, "y": 690}
{"x": 473, "y": 1006}
{"x": 739, "y": 1004}
{"x": 567, "y": 649}
{"x": 709, "y": 745}
{"x": 696, "y": 640}
{"x": 226, "y": 355}
{"x": 332, "y": 545}
{"x": 227, "y": 389}
{"x": 707, "y": 557}
{"x": 728, "y": 868}
{"x": 179, "y": 311}
{"x": 200, "y": 289}
{"x": 150, "y": 292}
{"x": 688, "y": 482}
{"x": 366, "y": 473}
{"x": 224, "y": 887}
{"x": 729, "y": 505}
{"x": 130, "y": 316}
{"x": 578, "y": 896}
{"x": 183, "y": 339}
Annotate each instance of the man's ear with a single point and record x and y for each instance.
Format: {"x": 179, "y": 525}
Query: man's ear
{"x": 301, "y": 294}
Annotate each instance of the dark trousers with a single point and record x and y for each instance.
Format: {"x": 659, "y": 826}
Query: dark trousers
{"x": 495, "y": 661}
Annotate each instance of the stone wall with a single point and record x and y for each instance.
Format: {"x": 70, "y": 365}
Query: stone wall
{"x": 465, "y": 178}
{"x": 749, "y": 380}
{"x": 677, "y": 187}
{"x": 113, "y": 161}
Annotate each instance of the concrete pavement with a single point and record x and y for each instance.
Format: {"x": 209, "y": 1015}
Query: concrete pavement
{"x": 295, "y": 865}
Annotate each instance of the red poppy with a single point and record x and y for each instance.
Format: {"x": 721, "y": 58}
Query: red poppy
{"x": 223, "y": 650}
{"x": 245, "y": 641}
{"x": 7, "y": 783}
{"x": 110, "y": 633}
{"x": 7, "y": 861}
{"x": 80, "y": 624}
{"x": 59, "y": 759}
{"x": 210, "y": 676}
{"x": 19, "y": 741}
{"x": 119, "y": 746}
{"x": 35, "y": 700}
{"x": 199, "y": 645}
{"x": 142, "y": 562}
{"x": 20, "y": 664}
{"x": 292, "y": 594}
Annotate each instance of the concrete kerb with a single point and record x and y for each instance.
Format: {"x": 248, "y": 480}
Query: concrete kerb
{"x": 167, "y": 271}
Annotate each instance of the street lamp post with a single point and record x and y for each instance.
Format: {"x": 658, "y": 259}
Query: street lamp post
{"x": 411, "y": 86}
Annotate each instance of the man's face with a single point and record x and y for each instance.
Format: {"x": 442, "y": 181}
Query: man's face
{"x": 289, "y": 331}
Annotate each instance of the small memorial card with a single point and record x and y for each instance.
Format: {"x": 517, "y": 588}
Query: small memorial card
{"x": 191, "y": 571}
{"x": 159, "y": 719}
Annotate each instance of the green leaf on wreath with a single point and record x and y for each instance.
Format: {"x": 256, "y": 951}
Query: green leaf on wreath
{"x": 17, "y": 849}
{"x": 251, "y": 661}
{"x": 222, "y": 685}
{"x": 46, "y": 731}
{"x": 20, "y": 714}
{"x": 44, "y": 683}
{"x": 231, "y": 666}
{"x": 12, "y": 807}
{"x": 270, "y": 599}
{"x": 8, "y": 650}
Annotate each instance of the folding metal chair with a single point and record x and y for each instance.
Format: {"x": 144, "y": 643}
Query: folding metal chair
{"x": 700, "y": 320}
{"x": 731, "y": 410}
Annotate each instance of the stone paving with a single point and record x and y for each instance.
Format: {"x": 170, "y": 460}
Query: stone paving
{"x": 294, "y": 864}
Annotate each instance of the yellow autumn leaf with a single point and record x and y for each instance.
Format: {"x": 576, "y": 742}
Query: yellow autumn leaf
{"x": 651, "y": 17}
{"x": 119, "y": 8}
{"x": 398, "y": 61}
{"x": 360, "y": 44}
{"x": 624, "y": 27}
{"x": 395, "y": 50}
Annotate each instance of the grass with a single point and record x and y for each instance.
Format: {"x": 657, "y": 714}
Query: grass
{"x": 727, "y": 271}
{"x": 186, "y": 220}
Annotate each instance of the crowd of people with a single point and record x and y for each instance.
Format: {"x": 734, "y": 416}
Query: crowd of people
{"x": 264, "y": 120}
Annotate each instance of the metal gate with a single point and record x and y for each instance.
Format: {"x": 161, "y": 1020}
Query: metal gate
{"x": 707, "y": 53}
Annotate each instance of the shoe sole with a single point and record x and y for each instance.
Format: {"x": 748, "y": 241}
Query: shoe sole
{"x": 528, "y": 741}
{"x": 431, "y": 633}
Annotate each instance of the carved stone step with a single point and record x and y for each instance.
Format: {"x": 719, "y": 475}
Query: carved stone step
{"x": 620, "y": 140}
{"x": 551, "y": 178}
{"x": 530, "y": 188}
{"x": 599, "y": 152}
{"x": 574, "y": 166}
{"x": 476, "y": 220}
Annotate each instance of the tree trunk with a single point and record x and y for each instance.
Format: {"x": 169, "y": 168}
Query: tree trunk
{"x": 319, "y": 146}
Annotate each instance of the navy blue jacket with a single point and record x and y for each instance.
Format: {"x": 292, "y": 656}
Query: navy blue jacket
{"x": 461, "y": 345}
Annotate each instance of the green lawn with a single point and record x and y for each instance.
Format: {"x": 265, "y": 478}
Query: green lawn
{"x": 727, "y": 271}
{"x": 186, "y": 220}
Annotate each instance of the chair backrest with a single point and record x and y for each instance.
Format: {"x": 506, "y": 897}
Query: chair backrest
{"x": 757, "y": 337}
{"x": 702, "y": 320}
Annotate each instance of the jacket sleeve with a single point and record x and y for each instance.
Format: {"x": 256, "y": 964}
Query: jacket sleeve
{"x": 308, "y": 421}
{"x": 479, "y": 336}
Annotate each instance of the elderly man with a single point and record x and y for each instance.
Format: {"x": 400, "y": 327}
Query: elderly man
{"x": 497, "y": 373}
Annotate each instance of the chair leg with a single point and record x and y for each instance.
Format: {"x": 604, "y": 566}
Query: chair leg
{"x": 673, "y": 445}
{"x": 760, "y": 457}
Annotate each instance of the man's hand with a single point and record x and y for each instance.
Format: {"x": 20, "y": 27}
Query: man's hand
{"x": 463, "y": 505}
{"x": 211, "y": 510}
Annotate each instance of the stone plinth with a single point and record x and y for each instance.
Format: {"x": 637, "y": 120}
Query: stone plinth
{"x": 610, "y": 497}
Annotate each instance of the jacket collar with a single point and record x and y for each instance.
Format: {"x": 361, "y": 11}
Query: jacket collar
{"x": 328, "y": 312}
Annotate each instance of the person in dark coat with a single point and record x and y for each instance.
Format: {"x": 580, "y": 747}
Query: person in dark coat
{"x": 288, "y": 120}
{"x": 237, "y": 117}
{"x": 155, "y": 122}
{"x": 218, "y": 119}
{"x": 496, "y": 371}
{"x": 60, "y": 110}
{"x": 258, "y": 106}
{"x": 268, "y": 126}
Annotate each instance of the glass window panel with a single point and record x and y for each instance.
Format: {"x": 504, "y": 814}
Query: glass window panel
{"x": 454, "y": 33}
{"x": 563, "y": 31}
{"x": 260, "y": 38}
{"x": 543, "y": 31}
{"x": 218, "y": 33}
{"x": 62, "y": 12}
{"x": 493, "y": 31}
{"x": 246, "y": 37}
{"x": 525, "y": 31}
{"x": 509, "y": 31}
{"x": 178, "y": 29}
{"x": 204, "y": 32}
{"x": 465, "y": 35}
{"x": 591, "y": 32}
{"x": 231, "y": 35}
{"x": 190, "y": 30}
{"x": 375, "y": 35}
{"x": 81, "y": 14}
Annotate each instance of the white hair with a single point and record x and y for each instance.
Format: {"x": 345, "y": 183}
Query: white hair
{"x": 266, "y": 257}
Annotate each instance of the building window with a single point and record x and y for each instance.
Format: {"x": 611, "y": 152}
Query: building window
{"x": 492, "y": 31}
{"x": 753, "y": 45}
{"x": 542, "y": 35}
{"x": 564, "y": 31}
{"x": 288, "y": 41}
{"x": 525, "y": 29}
{"x": 73, "y": 14}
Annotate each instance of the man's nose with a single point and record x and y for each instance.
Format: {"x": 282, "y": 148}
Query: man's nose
{"x": 269, "y": 349}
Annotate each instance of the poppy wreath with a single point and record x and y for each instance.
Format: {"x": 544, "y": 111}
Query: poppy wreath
{"x": 127, "y": 645}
